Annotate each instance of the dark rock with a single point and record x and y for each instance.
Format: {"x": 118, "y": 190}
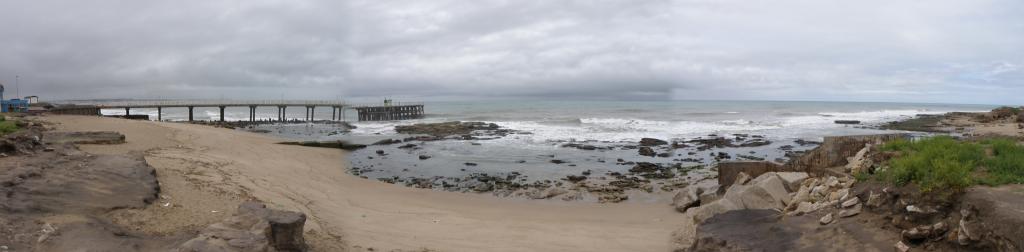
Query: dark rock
{"x": 407, "y": 146}
{"x": 652, "y": 142}
{"x": 424, "y": 157}
{"x": 380, "y": 152}
{"x": 711, "y": 143}
{"x": 645, "y": 167}
{"x": 574, "y": 178}
{"x": 646, "y": 151}
{"x": 93, "y": 137}
{"x": 666, "y": 154}
{"x": 847, "y": 122}
{"x": 387, "y": 142}
{"x": 470, "y": 164}
{"x": 755, "y": 143}
{"x": 556, "y": 161}
{"x": 445, "y": 128}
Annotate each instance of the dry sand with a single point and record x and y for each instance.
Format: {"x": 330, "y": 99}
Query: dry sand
{"x": 206, "y": 172}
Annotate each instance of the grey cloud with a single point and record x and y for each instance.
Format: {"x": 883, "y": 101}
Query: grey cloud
{"x": 934, "y": 51}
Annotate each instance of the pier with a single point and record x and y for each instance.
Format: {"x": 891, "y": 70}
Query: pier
{"x": 337, "y": 107}
{"x": 390, "y": 112}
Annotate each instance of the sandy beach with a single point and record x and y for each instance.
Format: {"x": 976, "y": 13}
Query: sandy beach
{"x": 205, "y": 172}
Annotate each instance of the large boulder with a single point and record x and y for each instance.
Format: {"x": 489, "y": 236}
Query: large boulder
{"x": 687, "y": 198}
{"x": 718, "y": 207}
{"x": 793, "y": 180}
{"x": 253, "y": 228}
{"x": 764, "y": 192}
{"x": 860, "y": 162}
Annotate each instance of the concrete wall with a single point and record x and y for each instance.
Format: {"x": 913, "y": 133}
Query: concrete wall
{"x": 727, "y": 171}
{"x": 832, "y": 153}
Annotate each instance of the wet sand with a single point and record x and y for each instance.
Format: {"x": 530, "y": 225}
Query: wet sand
{"x": 205, "y": 172}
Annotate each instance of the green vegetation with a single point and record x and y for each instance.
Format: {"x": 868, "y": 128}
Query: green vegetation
{"x": 6, "y": 127}
{"x": 1007, "y": 166}
{"x": 943, "y": 163}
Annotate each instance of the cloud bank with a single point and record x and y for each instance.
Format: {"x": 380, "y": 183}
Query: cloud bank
{"x": 903, "y": 51}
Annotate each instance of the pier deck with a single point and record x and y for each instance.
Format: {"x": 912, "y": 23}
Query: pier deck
{"x": 337, "y": 107}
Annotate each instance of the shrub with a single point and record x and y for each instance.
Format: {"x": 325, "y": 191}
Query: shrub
{"x": 7, "y": 127}
{"x": 933, "y": 163}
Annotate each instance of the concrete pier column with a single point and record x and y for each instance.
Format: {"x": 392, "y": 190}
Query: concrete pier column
{"x": 159, "y": 113}
{"x": 334, "y": 112}
{"x": 190, "y": 113}
{"x": 284, "y": 113}
{"x": 126, "y": 111}
{"x": 221, "y": 113}
{"x": 252, "y": 113}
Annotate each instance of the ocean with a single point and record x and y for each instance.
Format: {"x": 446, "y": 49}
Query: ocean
{"x": 614, "y": 127}
{"x": 630, "y": 121}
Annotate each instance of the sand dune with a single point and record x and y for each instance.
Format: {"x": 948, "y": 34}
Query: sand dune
{"x": 205, "y": 172}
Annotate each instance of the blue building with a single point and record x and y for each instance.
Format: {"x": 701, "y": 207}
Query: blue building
{"x": 12, "y": 105}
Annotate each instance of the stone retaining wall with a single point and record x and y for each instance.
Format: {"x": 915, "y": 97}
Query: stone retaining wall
{"x": 834, "y": 151}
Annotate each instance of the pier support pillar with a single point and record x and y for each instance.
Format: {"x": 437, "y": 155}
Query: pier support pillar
{"x": 126, "y": 111}
{"x": 284, "y": 113}
{"x": 159, "y": 113}
{"x": 221, "y": 113}
{"x": 252, "y": 113}
{"x": 190, "y": 113}
{"x": 334, "y": 113}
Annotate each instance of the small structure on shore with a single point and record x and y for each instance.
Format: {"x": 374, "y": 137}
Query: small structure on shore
{"x": 12, "y": 105}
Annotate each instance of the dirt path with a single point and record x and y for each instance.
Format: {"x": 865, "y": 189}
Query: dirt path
{"x": 205, "y": 172}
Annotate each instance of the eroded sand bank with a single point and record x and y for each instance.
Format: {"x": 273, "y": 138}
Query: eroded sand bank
{"x": 205, "y": 172}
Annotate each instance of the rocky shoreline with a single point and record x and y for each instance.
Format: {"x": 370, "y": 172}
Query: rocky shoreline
{"x": 651, "y": 166}
{"x": 816, "y": 206}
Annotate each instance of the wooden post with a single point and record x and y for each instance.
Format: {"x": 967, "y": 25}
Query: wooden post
{"x": 190, "y": 113}
{"x": 221, "y": 113}
{"x": 159, "y": 113}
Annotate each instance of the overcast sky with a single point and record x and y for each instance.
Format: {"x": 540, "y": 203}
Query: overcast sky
{"x": 965, "y": 51}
